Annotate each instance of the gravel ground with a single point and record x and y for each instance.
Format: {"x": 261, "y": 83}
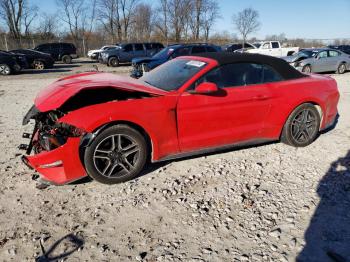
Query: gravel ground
{"x": 266, "y": 203}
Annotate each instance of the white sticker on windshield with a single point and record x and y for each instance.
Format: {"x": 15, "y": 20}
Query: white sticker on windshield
{"x": 195, "y": 63}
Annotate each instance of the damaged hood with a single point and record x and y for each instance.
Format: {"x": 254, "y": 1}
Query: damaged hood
{"x": 294, "y": 58}
{"x": 54, "y": 96}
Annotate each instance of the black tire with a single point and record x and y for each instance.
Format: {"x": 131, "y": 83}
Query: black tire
{"x": 113, "y": 61}
{"x": 5, "y": 69}
{"x": 307, "y": 69}
{"x": 302, "y": 126}
{"x": 39, "y": 65}
{"x": 341, "y": 68}
{"x": 67, "y": 59}
{"x": 118, "y": 154}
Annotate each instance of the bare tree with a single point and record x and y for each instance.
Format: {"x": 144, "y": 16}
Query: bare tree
{"x": 162, "y": 19}
{"x": 48, "y": 26}
{"x": 210, "y": 14}
{"x": 179, "y": 12}
{"x": 127, "y": 10}
{"x": 246, "y": 22}
{"x": 143, "y": 21}
{"x": 109, "y": 16}
{"x": 11, "y": 12}
{"x": 30, "y": 13}
{"x": 80, "y": 17}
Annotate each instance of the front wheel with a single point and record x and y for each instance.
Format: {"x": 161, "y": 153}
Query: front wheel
{"x": 5, "y": 69}
{"x": 307, "y": 69}
{"x": 113, "y": 61}
{"x": 302, "y": 126}
{"x": 118, "y": 154}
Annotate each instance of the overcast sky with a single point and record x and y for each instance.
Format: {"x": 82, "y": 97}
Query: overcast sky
{"x": 296, "y": 18}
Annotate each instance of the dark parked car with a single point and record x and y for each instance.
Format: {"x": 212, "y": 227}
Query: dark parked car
{"x": 64, "y": 52}
{"x": 234, "y": 47}
{"x": 343, "y": 48}
{"x": 8, "y": 63}
{"x": 21, "y": 60}
{"x": 145, "y": 64}
{"x": 36, "y": 59}
{"x": 124, "y": 53}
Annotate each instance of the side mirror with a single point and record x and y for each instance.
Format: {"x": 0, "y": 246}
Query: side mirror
{"x": 205, "y": 88}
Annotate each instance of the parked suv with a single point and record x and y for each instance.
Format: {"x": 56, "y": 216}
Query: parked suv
{"x": 124, "y": 53}
{"x": 64, "y": 52}
{"x": 9, "y": 63}
{"x": 343, "y": 48}
{"x": 36, "y": 59}
{"x": 145, "y": 64}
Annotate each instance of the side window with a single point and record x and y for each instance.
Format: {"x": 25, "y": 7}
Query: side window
{"x": 181, "y": 52}
{"x": 333, "y": 53}
{"x": 211, "y": 49}
{"x": 275, "y": 45}
{"x": 233, "y": 75}
{"x": 270, "y": 75}
{"x": 44, "y": 48}
{"x": 148, "y": 46}
{"x": 128, "y": 48}
{"x": 266, "y": 46}
{"x": 322, "y": 54}
{"x": 198, "y": 49}
{"x": 138, "y": 47}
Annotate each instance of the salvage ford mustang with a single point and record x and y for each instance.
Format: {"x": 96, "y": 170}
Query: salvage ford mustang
{"x": 109, "y": 127}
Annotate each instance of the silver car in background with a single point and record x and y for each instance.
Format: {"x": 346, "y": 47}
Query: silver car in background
{"x": 320, "y": 60}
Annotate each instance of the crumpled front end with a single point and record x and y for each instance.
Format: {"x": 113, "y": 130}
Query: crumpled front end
{"x": 54, "y": 147}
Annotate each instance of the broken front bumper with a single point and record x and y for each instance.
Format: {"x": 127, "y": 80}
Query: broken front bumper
{"x": 59, "y": 166}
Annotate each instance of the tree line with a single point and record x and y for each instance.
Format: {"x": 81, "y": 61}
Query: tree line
{"x": 92, "y": 23}
{"x": 113, "y": 20}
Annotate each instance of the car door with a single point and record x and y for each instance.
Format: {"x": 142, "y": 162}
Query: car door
{"x": 276, "y": 50}
{"x": 334, "y": 60}
{"x": 321, "y": 62}
{"x": 235, "y": 114}
{"x": 126, "y": 53}
{"x": 139, "y": 51}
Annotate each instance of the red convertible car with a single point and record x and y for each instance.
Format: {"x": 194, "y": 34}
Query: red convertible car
{"x": 108, "y": 127}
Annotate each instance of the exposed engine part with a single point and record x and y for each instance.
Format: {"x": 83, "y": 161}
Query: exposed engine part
{"x": 48, "y": 133}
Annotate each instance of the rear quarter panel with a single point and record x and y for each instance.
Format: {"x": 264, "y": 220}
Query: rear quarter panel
{"x": 288, "y": 95}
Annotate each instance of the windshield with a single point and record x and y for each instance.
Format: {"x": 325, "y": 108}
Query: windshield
{"x": 173, "y": 74}
{"x": 257, "y": 45}
{"x": 164, "y": 53}
{"x": 308, "y": 53}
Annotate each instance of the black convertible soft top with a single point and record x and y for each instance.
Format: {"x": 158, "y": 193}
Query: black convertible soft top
{"x": 281, "y": 66}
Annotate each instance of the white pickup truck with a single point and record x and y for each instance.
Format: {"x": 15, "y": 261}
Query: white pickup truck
{"x": 272, "y": 48}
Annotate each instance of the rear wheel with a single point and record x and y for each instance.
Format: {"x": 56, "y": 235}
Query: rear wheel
{"x": 302, "y": 126}
{"x": 341, "y": 68}
{"x": 5, "y": 69}
{"x": 118, "y": 154}
{"x": 38, "y": 65}
{"x": 307, "y": 69}
{"x": 67, "y": 59}
{"x": 113, "y": 61}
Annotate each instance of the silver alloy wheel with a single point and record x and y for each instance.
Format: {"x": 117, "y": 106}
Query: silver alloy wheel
{"x": 5, "y": 70}
{"x": 39, "y": 65}
{"x": 116, "y": 156}
{"x": 307, "y": 69}
{"x": 304, "y": 126}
